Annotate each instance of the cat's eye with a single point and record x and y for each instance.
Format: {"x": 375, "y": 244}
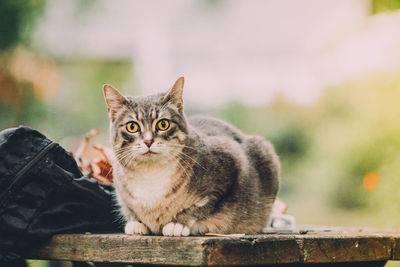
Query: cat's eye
{"x": 163, "y": 125}
{"x": 132, "y": 127}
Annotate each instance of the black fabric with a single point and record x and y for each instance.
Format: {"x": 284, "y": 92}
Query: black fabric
{"x": 42, "y": 192}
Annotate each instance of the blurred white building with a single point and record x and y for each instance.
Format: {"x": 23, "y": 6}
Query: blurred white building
{"x": 228, "y": 50}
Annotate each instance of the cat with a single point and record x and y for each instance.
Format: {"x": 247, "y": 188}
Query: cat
{"x": 177, "y": 177}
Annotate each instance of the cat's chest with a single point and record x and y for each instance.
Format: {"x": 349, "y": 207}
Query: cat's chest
{"x": 149, "y": 186}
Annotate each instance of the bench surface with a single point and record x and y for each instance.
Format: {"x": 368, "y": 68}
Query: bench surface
{"x": 309, "y": 245}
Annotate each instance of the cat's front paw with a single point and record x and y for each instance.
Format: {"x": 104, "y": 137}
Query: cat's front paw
{"x": 175, "y": 229}
{"x": 136, "y": 228}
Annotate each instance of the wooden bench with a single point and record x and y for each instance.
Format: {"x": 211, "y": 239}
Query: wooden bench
{"x": 318, "y": 246}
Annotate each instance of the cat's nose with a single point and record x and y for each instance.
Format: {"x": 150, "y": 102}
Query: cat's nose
{"x": 148, "y": 142}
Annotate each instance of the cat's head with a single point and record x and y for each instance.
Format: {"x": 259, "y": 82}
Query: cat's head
{"x": 146, "y": 129}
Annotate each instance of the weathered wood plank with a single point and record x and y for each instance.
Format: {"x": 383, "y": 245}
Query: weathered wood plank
{"x": 300, "y": 249}
{"x": 314, "y": 247}
{"x": 252, "y": 250}
{"x": 346, "y": 249}
{"x": 123, "y": 248}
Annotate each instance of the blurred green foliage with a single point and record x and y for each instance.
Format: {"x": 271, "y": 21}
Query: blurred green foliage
{"x": 358, "y": 132}
{"x": 78, "y": 104}
{"x": 378, "y": 6}
{"x": 17, "y": 20}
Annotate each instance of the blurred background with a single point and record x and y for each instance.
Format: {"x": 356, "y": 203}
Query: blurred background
{"x": 319, "y": 79}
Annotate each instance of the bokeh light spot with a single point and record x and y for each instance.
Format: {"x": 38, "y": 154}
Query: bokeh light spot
{"x": 371, "y": 181}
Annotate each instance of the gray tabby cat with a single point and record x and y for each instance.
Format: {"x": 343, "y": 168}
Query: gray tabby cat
{"x": 184, "y": 177}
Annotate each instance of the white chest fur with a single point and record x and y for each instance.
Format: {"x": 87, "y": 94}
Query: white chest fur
{"x": 149, "y": 184}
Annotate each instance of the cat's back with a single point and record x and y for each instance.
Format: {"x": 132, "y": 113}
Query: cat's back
{"x": 223, "y": 141}
{"x": 210, "y": 126}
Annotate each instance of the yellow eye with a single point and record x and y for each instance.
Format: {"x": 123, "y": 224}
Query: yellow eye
{"x": 132, "y": 127}
{"x": 163, "y": 125}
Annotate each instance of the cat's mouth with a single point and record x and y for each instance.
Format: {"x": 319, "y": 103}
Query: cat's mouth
{"x": 149, "y": 153}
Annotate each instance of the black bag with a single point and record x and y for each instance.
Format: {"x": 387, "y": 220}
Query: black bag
{"x": 42, "y": 192}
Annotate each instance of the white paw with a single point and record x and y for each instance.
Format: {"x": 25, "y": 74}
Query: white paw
{"x": 136, "y": 228}
{"x": 175, "y": 229}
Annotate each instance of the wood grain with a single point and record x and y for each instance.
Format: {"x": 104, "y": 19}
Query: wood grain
{"x": 337, "y": 245}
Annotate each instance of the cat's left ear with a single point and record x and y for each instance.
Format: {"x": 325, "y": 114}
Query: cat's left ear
{"x": 114, "y": 100}
{"x": 175, "y": 94}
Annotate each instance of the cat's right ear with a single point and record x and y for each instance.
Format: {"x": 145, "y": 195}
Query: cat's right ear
{"x": 114, "y": 100}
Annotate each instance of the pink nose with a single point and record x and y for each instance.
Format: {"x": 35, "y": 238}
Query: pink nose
{"x": 148, "y": 142}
